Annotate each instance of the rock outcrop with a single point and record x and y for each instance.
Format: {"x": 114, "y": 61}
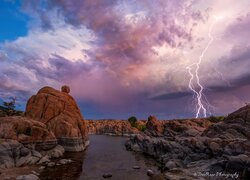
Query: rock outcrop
{"x": 236, "y": 125}
{"x": 154, "y": 127}
{"x": 111, "y": 127}
{"x": 190, "y": 148}
{"x": 51, "y": 124}
{"x": 60, "y": 113}
{"x": 15, "y": 154}
{"x": 27, "y": 131}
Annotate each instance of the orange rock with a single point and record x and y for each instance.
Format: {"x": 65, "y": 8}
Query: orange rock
{"x": 111, "y": 127}
{"x": 27, "y": 131}
{"x": 59, "y": 111}
{"x": 65, "y": 89}
{"x": 154, "y": 127}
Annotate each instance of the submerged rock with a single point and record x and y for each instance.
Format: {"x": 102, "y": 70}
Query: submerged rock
{"x": 136, "y": 167}
{"x": 51, "y": 164}
{"x": 107, "y": 175}
{"x": 150, "y": 172}
{"x": 28, "y": 177}
{"x": 64, "y": 161}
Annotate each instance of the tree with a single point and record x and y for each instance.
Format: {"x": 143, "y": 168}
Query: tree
{"x": 10, "y": 105}
{"x": 132, "y": 120}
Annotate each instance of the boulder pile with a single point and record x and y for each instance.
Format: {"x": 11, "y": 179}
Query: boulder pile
{"x": 200, "y": 147}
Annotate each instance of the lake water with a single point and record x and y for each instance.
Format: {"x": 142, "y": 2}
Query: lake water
{"x": 105, "y": 154}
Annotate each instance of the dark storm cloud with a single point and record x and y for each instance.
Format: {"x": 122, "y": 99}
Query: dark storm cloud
{"x": 174, "y": 95}
{"x": 239, "y": 82}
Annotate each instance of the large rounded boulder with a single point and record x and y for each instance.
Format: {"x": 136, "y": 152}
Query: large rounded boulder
{"x": 59, "y": 111}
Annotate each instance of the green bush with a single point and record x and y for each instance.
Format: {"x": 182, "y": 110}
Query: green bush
{"x": 132, "y": 120}
{"x": 134, "y": 123}
{"x": 141, "y": 127}
{"x": 216, "y": 118}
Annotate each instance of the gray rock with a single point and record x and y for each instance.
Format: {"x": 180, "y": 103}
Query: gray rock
{"x": 56, "y": 152}
{"x": 24, "y": 151}
{"x": 215, "y": 147}
{"x": 240, "y": 158}
{"x": 51, "y": 164}
{"x": 44, "y": 160}
{"x": 238, "y": 162}
{"x": 192, "y": 132}
{"x": 27, "y": 160}
{"x": 23, "y": 161}
{"x": 150, "y": 172}
{"x": 36, "y": 173}
{"x": 36, "y": 154}
{"x": 172, "y": 164}
{"x": 64, "y": 161}
{"x": 42, "y": 167}
{"x": 13, "y": 153}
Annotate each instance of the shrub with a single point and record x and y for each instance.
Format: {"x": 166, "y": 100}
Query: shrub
{"x": 11, "y": 104}
{"x": 132, "y": 120}
{"x": 216, "y": 118}
{"x": 141, "y": 127}
{"x": 134, "y": 123}
{"x": 8, "y": 108}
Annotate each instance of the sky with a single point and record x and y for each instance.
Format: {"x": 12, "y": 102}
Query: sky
{"x": 125, "y": 58}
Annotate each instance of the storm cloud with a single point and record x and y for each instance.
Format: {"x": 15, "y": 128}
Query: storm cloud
{"x": 129, "y": 57}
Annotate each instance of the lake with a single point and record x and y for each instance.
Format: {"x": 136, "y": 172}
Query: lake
{"x": 105, "y": 154}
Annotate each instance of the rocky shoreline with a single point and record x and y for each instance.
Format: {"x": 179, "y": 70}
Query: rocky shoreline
{"x": 191, "y": 149}
{"x": 199, "y": 148}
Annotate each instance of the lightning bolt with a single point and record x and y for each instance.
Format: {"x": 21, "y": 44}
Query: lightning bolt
{"x": 198, "y": 92}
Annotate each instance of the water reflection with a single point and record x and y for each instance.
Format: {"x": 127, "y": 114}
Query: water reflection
{"x": 105, "y": 154}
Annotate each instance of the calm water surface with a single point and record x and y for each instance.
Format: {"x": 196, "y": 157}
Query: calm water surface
{"x": 105, "y": 154}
